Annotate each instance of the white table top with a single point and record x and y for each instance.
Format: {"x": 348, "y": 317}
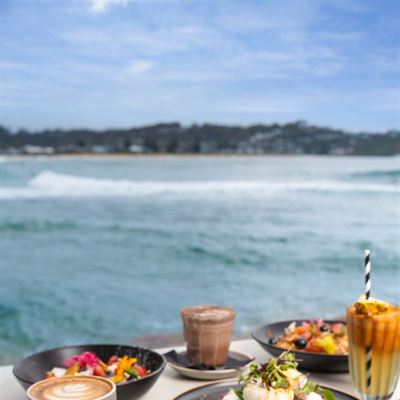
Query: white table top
{"x": 170, "y": 384}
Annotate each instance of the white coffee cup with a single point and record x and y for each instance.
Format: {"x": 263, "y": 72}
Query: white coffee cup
{"x": 73, "y": 388}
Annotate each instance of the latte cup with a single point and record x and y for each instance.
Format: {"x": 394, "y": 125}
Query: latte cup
{"x": 73, "y": 388}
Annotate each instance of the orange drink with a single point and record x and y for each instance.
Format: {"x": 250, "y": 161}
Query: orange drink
{"x": 373, "y": 328}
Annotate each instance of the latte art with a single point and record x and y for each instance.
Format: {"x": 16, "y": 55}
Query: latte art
{"x": 72, "y": 388}
{"x": 83, "y": 391}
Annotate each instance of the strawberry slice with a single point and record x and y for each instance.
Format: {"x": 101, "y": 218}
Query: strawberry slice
{"x": 98, "y": 371}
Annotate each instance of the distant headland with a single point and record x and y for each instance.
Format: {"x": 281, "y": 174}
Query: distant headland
{"x": 173, "y": 138}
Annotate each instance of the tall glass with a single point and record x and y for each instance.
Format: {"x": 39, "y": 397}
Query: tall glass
{"x": 374, "y": 348}
{"x": 208, "y": 331}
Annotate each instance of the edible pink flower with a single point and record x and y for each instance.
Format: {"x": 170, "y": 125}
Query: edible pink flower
{"x": 85, "y": 359}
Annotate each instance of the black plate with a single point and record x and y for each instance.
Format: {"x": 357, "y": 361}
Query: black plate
{"x": 317, "y": 362}
{"x": 215, "y": 391}
{"x": 33, "y": 368}
{"x": 235, "y": 360}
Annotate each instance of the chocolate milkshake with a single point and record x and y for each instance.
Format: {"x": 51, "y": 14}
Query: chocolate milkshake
{"x": 208, "y": 332}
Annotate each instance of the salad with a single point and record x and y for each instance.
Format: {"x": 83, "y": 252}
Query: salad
{"x": 118, "y": 369}
{"x": 314, "y": 336}
{"x": 278, "y": 379}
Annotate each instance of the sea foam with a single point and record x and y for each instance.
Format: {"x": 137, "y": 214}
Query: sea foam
{"x": 51, "y": 184}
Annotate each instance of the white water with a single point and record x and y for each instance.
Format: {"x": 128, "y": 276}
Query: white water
{"x": 51, "y": 184}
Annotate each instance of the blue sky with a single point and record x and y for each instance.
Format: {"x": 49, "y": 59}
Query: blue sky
{"x": 120, "y": 63}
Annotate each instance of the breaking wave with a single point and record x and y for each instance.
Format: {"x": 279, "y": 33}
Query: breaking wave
{"x": 51, "y": 184}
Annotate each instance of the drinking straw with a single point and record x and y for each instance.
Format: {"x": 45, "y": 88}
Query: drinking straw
{"x": 367, "y": 274}
{"x": 368, "y": 350}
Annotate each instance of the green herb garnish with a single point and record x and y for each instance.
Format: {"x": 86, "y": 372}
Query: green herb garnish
{"x": 328, "y": 395}
{"x": 309, "y": 387}
{"x": 313, "y": 387}
{"x": 272, "y": 374}
{"x": 239, "y": 394}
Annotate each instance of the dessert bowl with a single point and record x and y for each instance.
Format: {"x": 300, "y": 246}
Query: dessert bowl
{"x": 33, "y": 368}
{"x": 318, "y": 362}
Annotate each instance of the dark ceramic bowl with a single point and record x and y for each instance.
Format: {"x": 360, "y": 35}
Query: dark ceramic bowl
{"x": 318, "y": 362}
{"x": 33, "y": 368}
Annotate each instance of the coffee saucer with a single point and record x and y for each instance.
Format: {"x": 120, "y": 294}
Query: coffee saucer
{"x": 236, "y": 363}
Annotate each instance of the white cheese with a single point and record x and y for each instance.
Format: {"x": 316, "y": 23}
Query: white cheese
{"x": 254, "y": 392}
{"x": 58, "y": 371}
{"x": 296, "y": 379}
{"x": 112, "y": 367}
{"x": 86, "y": 372}
{"x": 290, "y": 329}
{"x": 280, "y": 394}
{"x": 314, "y": 396}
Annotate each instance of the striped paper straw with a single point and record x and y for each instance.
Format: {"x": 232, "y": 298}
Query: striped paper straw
{"x": 367, "y": 274}
{"x": 368, "y": 350}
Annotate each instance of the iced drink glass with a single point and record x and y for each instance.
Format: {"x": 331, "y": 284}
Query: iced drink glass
{"x": 208, "y": 331}
{"x": 374, "y": 347}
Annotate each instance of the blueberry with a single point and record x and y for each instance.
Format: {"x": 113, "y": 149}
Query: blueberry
{"x": 272, "y": 340}
{"x": 324, "y": 328}
{"x": 300, "y": 343}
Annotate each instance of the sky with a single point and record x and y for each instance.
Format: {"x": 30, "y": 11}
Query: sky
{"x": 121, "y": 63}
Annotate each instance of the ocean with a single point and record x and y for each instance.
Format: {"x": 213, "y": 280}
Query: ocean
{"x": 104, "y": 249}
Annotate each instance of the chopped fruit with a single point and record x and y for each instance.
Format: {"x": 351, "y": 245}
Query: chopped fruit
{"x": 112, "y": 360}
{"x": 300, "y": 343}
{"x": 98, "y": 371}
{"x": 73, "y": 369}
{"x": 314, "y": 336}
{"x": 140, "y": 370}
{"x": 117, "y": 369}
{"x": 328, "y": 344}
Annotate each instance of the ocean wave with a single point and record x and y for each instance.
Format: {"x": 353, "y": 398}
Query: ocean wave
{"x": 51, "y": 184}
{"x": 36, "y": 226}
{"x": 378, "y": 174}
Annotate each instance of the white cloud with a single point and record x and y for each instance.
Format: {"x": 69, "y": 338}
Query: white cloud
{"x": 100, "y": 6}
{"x": 286, "y": 102}
{"x": 140, "y": 66}
{"x": 266, "y": 108}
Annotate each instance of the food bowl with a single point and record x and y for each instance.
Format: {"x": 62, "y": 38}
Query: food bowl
{"x": 34, "y": 367}
{"x": 317, "y": 362}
